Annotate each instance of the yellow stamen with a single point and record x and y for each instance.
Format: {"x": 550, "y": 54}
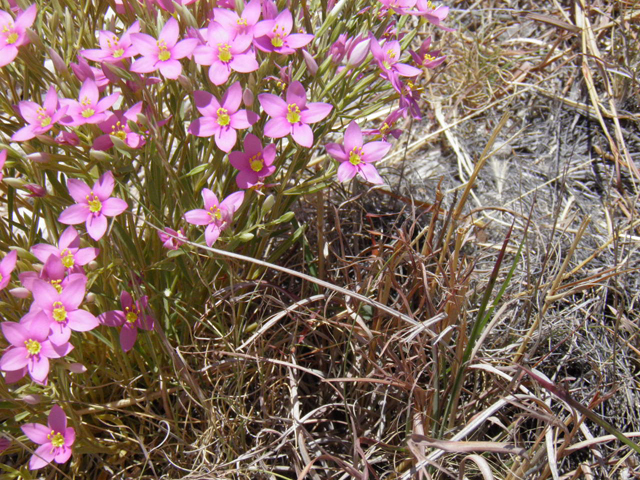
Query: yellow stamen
{"x": 12, "y": 38}
{"x": 117, "y": 130}
{"x": 88, "y": 112}
{"x": 56, "y": 439}
{"x": 164, "y": 54}
{"x": 56, "y": 284}
{"x": 118, "y": 53}
{"x": 59, "y": 312}
{"x": 355, "y": 156}
{"x": 131, "y": 315}
{"x": 278, "y": 40}
{"x": 67, "y": 258}
{"x": 95, "y": 205}
{"x": 242, "y": 22}
{"x": 32, "y": 346}
{"x": 293, "y": 113}
{"x": 214, "y": 212}
{"x": 223, "y": 117}
{"x": 256, "y": 163}
{"x": 224, "y": 55}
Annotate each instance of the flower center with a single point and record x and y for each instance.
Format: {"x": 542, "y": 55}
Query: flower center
{"x": 428, "y": 58}
{"x": 59, "y": 312}
{"x": 11, "y": 37}
{"x": 43, "y": 117}
{"x": 131, "y": 315}
{"x": 32, "y": 346}
{"x": 430, "y": 5}
{"x": 278, "y": 39}
{"x": 293, "y": 113}
{"x": 164, "y": 54}
{"x": 56, "y": 284}
{"x": 242, "y": 22}
{"x": 118, "y": 53}
{"x": 224, "y": 55}
{"x": 214, "y": 213}
{"x": 67, "y": 258}
{"x": 257, "y": 165}
{"x": 383, "y": 129}
{"x": 117, "y": 130}
{"x": 223, "y": 117}
{"x": 95, "y": 205}
{"x": 355, "y": 156}
{"x": 56, "y": 439}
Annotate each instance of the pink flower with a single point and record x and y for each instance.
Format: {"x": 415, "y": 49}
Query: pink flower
{"x": 93, "y": 206}
{"x": 113, "y": 49}
{"x": 216, "y": 215}
{"x": 400, "y": 7}
{"x": 293, "y": 116}
{"x": 354, "y": 157}
{"x": 31, "y": 348}
{"x": 275, "y": 35}
{"x": 387, "y": 57}
{"x": 83, "y": 71}
{"x": 7, "y": 266}
{"x": 239, "y": 25}
{"x": 225, "y": 54}
{"x": 89, "y": 108}
{"x": 169, "y": 242}
{"x": 255, "y": 163}
{"x": 130, "y": 318}
{"x": 55, "y": 439}
{"x": 62, "y": 310}
{"x": 386, "y": 128}
{"x": 162, "y": 54}
{"x": 14, "y": 35}
{"x": 117, "y": 125}
{"x": 3, "y": 159}
{"x": 221, "y": 121}
{"x": 41, "y": 119}
{"x": 355, "y": 49}
{"x": 54, "y": 273}
{"x": 433, "y": 14}
{"x": 67, "y": 251}
{"x": 427, "y": 58}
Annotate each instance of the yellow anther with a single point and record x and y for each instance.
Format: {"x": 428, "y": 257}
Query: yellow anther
{"x": 56, "y": 439}
{"x": 59, "y": 312}
{"x": 118, "y": 53}
{"x": 132, "y": 317}
{"x": 242, "y": 22}
{"x": 224, "y": 53}
{"x": 355, "y": 156}
{"x": 277, "y": 41}
{"x": 214, "y": 212}
{"x": 256, "y": 164}
{"x": 56, "y": 284}
{"x": 223, "y": 117}
{"x": 164, "y": 54}
{"x": 32, "y": 346}
{"x": 67, "y": 258}
{"x": 293, "y": 113}
{"x": 95, "y": 205}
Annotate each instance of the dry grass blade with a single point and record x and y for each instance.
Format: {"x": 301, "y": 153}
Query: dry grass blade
{"x": 467, "y": 447}
{"x": 480, "y": 462}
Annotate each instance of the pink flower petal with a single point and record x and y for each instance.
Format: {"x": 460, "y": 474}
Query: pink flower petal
{"x": 211, "y": 234}
{"x": 352, "y": 137}
{"x": 144, "y": 65}
{"x": 296, "y": 94}
{"x": 197, "y": 217}
{"x": 128, "y": 336}
{"x": 315, "y": 112}
{"x": 302, "y": 134}
{"x": 57, "y": 419}
{"x": 374, "y": 151}
{"x": 89, "y": 91}
{"x": 346, "y": 171}
{"x": 277, "y": 127}
{"x": 170, "y": 69}
{"x": 85, "y": 255}
{"x": 14, "y": 359}
{"x": 15, "y": 333}
{"x": 203, "y": 127}
{"x": 104, "y": 186}
{"x": 232, "y": 98}
{"x": 219, "y": 73}
{"x": 42, "y": 456}
{"x": 96, "y": 226}
{"x": 336, "y": 151}
{"x": 273, "y": 105}
{"x": 370, "y": 174}
{"x": 170, "y": 32}
{"x": 78, "y": 190}
{"x": 113, "y": 206}
{"x": 206, "y": 103}
{"x": 39, "y": 369}
{"x": 74, "y": 214}
{"x": 36, "y": 432}
{"x": 184, "y": 48}
{"x": 225, "y": 139}
{"x": 113, "y": 318}
{"x": 82, "y": 321}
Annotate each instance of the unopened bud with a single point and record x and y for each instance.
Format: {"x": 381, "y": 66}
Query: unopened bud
{"x": 267, "y": 205}
{"x": 93, "y": 265}
{"x": 360, "y": 51}
{"x": 39, "y": 157}
{"x": 90, "y": 297}
{"x": 247, "y": 97}
{"x": 58, "y": 62}
{"x": 100, "y": 155}
{"x": 245, "y": 237}
{"x": 20, "y": 292}
{"x": 185, "y": 83}
{"x": 32, "y": 399}
{"x": 36, "y": 190}
{"x": 312, "y": 66}
{"x": 76, "y": 368}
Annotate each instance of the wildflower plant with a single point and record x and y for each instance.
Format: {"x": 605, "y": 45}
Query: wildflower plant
{"x": 115, "y": 122}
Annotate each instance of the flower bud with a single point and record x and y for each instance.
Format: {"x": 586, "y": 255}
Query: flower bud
{"x": 36, "y": 190}
{"x": 20, "y": 292}
{"x": 358, "y": 52}
{"x": 185, "y": 83}
{"x": 312, "y": 66}
{"x": 247, "y": 97}
{"x": 93, "y": 265}
{"x": 76, "y": 368}
{"x": 58, "y": 62}
{"x": 39, "y": 157}
{"x": 267, "y": 205}
{"x": 90, "y": 297}
{"x": 32, "y": 399}
{"x": 100, "y": 156}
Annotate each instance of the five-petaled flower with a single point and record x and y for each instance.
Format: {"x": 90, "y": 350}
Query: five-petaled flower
{"x": 30, "y": 348}
{"x": 387, "y": 57}
{"x": 275, "y": 35}
{"x": 89, "y": 108}
{"x": 113, "y": 49}
{"x": 14, "y": 34}
{"x": 225, "y": 53}
{"x": 68, "y": 251}
{"x": 221, "y": 119}
{"x": 41, "y": 119}
{"x": 215, "y": 215}
{"x": 164, "y": 53}
{"x": 93, "y": 206}
{"x": 62, "y": 308}
{"x": 427, "y": 58}
{"x": 172, "y": 240}
{"x": 354, "y": 157}
{"x": 239, "y": 25}
{"x": 132, "y": 317}
{"x": 55, "y": 439}
{"x": 117, "y": 125}
{"x": 293, "y": 116}
{"x": 255, "y": 163}
{"x": 7, "y": 265}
